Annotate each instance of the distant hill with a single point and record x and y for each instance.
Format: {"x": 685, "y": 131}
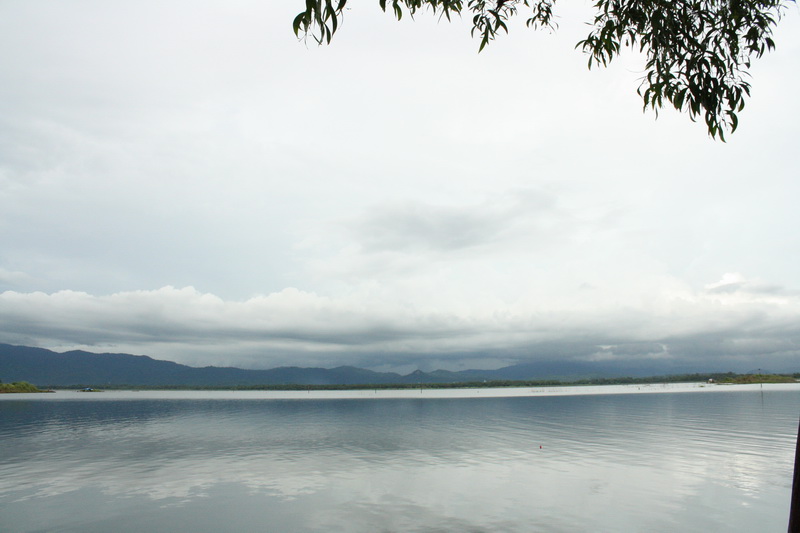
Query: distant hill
{"x": 41, "y": 366}
{"x": 47, "y": 368}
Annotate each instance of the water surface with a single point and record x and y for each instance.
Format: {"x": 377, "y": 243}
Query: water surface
{"x": 243, "y": 461}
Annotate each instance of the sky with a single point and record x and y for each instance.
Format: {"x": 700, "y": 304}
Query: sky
{"x": 189, "y": 181}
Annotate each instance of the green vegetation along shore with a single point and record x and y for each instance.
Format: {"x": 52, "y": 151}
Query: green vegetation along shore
{"x": 727, "y": 378}
{"x": 19, "y": 386}
{"x": 746, "y": 379}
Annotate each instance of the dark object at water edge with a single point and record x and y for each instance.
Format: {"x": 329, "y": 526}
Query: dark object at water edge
{"x": 794, "y": 509}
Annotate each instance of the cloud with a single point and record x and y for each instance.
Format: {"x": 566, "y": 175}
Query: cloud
{"x": 394, "y": 204}
{"x": 417, "y": 227}
{"x": 297, "y": 327}
{"x": 732, "y": 282}
{"x": 12, "y": 277}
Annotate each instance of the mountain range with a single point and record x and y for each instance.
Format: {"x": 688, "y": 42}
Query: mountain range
{"x": 48, "y": 368}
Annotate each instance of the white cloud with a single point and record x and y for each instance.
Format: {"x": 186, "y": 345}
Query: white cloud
{"x": 373, "y": 328}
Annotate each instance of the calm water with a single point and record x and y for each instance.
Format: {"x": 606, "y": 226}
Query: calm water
{"x": 237, "y": 462}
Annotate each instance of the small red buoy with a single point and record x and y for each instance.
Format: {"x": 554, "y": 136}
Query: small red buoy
{"x": 540, "y": 447}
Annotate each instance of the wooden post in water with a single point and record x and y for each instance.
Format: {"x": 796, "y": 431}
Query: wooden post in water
{"x": 794, "y": 510}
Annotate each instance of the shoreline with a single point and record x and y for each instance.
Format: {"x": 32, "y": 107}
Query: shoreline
{"x": 418, "y": 393}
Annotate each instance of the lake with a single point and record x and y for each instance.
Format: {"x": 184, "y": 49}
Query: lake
{"x": 682, "y": 458}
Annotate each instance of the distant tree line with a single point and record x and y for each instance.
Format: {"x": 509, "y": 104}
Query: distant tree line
{"x": 718, "y": 377}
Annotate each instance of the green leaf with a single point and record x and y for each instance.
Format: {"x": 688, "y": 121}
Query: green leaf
{"x": 298, "y": 23}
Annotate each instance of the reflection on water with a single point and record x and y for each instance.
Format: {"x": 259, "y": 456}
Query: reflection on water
{"x": 668, "y": 462}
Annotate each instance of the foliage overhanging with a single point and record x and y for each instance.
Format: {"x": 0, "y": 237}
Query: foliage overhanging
{"x": 697, "y": 51}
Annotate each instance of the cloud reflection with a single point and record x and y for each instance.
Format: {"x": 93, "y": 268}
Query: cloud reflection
{"x": 481, "y": 464}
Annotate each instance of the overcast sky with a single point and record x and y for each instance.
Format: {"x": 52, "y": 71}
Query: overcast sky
{"x": 186, "y": 180}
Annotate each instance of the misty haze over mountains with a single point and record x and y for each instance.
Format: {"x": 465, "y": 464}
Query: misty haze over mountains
{"x": 45, "y": 367}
